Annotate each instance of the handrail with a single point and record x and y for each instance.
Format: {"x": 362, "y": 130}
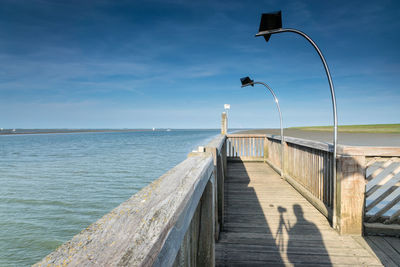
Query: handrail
{"x": 174, "y": 219}
{"x": 147, "y": 229}
{"x": 246, "y": 135}
{"x": 217, "y": 142}
{"x": 342, "y": 149}
{"x": 294, "y": 140}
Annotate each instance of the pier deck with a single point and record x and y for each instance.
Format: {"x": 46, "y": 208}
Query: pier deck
{"x": 225, "y": 206}
{"x": 268, "y": 223}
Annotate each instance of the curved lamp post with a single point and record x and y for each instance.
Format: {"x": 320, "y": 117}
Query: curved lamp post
{"x": 246, "y": 81}
{"x": 271, "y": 23}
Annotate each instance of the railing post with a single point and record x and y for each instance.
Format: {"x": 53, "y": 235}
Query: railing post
{"x": 218, "y": 189}
{"x": 285, "y": 166}
{"x": 224, "y": 123}
{"x": 350, "y": 194}
{"x": 224, "y": 156}
{"x": 206, "y": 242}
{"x": 265, "y": 149}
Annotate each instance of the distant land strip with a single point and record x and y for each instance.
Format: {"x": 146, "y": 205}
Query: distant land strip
{"x": 54, "y": 131}
{"x": 368, "y": 128}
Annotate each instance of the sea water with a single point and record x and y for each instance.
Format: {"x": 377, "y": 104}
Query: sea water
{"x": 52, "y": 186}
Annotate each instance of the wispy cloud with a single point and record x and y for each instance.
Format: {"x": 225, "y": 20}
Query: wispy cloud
{"x": 121, "y": 57}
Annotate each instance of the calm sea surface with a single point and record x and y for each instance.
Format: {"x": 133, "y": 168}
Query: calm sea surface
{"x": 54, "y": 185}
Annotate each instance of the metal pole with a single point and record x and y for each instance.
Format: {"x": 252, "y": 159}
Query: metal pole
{"x": 328, "y": 74}
{"x": 280, "y": 120}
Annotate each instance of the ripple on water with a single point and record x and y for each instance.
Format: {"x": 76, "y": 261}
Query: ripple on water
{"x": 53, "y": 186}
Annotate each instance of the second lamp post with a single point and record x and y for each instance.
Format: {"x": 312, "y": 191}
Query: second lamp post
{"x": 246, "y": 81}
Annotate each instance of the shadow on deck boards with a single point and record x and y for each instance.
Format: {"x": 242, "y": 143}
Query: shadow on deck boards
{"x": 268, "y": 223}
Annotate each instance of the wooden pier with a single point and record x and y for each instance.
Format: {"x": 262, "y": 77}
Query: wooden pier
{"x": 268, "y": 223}
{"x": 228, "y": 205}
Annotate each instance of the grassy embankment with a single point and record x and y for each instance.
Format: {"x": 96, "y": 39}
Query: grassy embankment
{"x": 371, "y": 128}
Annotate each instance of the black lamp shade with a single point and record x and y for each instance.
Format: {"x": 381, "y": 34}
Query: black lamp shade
{"x": 246, "y": 81}
{"x": 270, "y": 21}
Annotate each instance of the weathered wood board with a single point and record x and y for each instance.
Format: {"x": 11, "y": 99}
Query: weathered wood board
{"x": 148, "y": 228}
{"x": 268, "y": 223}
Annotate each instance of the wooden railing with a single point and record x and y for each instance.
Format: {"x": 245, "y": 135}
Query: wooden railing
{"x": 173, "y": 221}
{"x": 217, "y": 147}
{"x": 367, "y": 184}
{"x": 309, "y": 163}
{"x": 245, "y": 147}
{"x": 273, "y": 151}
{"x": 380, "y": 174}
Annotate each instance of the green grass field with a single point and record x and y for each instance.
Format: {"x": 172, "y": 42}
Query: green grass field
{"x": 371, "y": 128}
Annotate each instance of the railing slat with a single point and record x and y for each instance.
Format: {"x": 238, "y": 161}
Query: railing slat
{"x": 382, "y": 182}
{"x": 384, "y": 209}
{"x": 382, "y": 197}
{"x": 379, "y": 170}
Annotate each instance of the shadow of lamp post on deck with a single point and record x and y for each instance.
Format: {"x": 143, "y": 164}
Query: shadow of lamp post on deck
{"x": 271, "y": 23}
{"x": 246, "y": 81}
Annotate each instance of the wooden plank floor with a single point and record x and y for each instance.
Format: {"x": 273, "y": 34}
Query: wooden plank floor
{"x": 268, "y": 223}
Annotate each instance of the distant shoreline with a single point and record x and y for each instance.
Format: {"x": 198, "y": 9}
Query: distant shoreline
{"x": 363, "y": 128}
{"x": 67, "y": 131}
{"x": 64, "y": 131}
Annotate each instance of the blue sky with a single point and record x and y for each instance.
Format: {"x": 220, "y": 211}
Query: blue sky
{"x": 175, "y": 63}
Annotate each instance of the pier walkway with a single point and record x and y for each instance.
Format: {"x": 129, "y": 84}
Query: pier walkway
{"x": 227, "y": 205}
{"x": 268, "y": 223}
